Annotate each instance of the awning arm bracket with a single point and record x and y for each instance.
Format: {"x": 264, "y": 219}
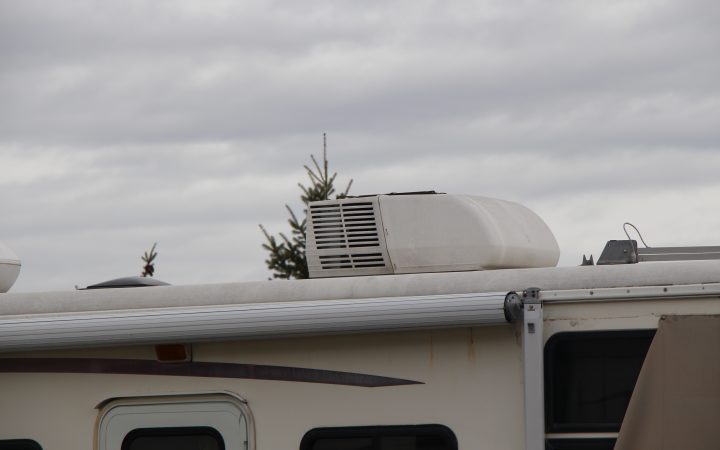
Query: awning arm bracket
{"x": 527, "y": 309}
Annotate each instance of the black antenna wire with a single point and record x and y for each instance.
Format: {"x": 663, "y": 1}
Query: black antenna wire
{"x": 636, "y": 230}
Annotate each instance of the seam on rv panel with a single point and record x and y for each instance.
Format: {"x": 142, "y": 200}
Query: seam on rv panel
{"x": 196, "y": 369}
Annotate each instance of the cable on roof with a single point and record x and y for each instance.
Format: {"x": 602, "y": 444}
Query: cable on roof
{"x": 636, "y": 230}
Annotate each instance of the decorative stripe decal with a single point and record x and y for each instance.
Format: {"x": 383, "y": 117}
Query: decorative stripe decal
{"x": 196, "y": 369}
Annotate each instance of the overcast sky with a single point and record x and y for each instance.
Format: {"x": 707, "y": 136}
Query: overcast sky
{"x": 123, "y": 123}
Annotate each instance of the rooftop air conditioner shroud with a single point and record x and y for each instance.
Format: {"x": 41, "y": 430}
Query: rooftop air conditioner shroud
{"x": 393, "y": 234}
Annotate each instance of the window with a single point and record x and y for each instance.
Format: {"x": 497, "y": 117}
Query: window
{"x": 418, "y": 437}
{"x": 589, "y": 379}
{"x": 590, "y": 376}
{"x": 580, "y": 444}
{"x": 174, "y": 438}
{"x": 19, "y": 444}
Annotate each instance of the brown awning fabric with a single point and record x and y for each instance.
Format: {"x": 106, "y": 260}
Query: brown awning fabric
{"x": 676, "y": 401}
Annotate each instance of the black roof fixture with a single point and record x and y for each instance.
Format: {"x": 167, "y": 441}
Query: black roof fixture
{"x": 127, "y": 282}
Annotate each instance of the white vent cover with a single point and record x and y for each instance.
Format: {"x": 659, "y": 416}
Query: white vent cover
{"x": 414, "y": 233}
{"x": 9, "y": 268}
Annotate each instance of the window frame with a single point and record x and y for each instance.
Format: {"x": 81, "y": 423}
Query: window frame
{"x": 226, "y": 412}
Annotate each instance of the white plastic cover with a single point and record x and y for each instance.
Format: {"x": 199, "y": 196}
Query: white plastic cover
{"x": 437, "y": 233}
{"x": 9, "y": 268}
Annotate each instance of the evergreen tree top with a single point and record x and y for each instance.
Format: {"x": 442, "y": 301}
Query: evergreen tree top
{"x": 287, "y": 254}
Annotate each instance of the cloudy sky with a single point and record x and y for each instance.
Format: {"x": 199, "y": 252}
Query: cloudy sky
{"x": 123, "y": 123}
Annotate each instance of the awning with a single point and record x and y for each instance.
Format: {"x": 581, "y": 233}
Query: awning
{"x": 676, "y": 401}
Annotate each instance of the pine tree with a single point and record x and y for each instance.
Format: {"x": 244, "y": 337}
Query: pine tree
{"x": 287, "y": 254}
{"x": 149, "y": 260}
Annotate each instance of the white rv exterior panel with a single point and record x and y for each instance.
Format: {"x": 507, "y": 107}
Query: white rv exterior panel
{"x": 470, "y": 380}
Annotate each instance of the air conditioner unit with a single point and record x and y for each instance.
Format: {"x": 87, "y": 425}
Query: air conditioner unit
{"x": 413, "y": 233}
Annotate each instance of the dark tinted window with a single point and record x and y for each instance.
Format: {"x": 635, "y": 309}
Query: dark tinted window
{"x": 183, "y": 438}
{"x": 419, "y": 437}
{"x": 19, "y": 444}
{"x": 580, "y": 444}
{"x": 347, "y": 443}
{"x": 590, "y": 376}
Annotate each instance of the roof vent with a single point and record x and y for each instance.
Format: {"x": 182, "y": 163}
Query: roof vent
{"x": 127, "y": 282}
{"x": 424, "y": 232}
{"x": 9, "y": 268}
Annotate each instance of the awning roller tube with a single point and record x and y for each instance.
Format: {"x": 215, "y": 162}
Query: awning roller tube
{"x": 249, "y": 321}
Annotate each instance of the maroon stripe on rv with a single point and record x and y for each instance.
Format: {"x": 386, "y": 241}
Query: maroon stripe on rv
{"x": 195, "y": 369}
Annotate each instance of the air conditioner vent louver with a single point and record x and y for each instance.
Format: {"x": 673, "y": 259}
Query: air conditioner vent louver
{"x": 346, "y": 236}
{"x": 344, "y": 226}
{"x": 349, "y": 261}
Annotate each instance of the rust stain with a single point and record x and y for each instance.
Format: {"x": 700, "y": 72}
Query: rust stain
{"x": 471, "y": 346}
{"x": 432, "y": 350}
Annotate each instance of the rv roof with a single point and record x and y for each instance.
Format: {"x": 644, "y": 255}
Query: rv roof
{"x": 558, "y": 278}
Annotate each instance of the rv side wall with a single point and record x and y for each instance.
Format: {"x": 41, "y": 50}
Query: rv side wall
{"x": 468, "y": 379}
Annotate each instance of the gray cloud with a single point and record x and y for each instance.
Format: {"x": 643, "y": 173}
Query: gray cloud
{"x": 105, "y": 74}
{"x": 188, "y": 122}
